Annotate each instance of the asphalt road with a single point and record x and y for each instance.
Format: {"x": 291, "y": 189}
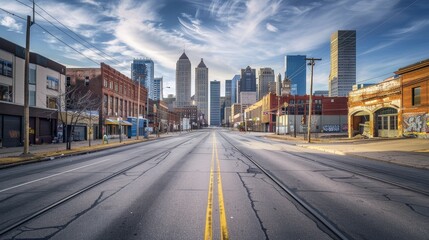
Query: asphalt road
{"x": 207, "y": 185}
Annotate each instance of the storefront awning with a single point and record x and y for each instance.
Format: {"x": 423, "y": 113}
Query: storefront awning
{"x": 110, "y": 121}
{"x": 126, "y": 123}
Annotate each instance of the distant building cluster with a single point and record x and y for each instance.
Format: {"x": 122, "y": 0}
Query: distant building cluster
{"x": 89, "y": 103}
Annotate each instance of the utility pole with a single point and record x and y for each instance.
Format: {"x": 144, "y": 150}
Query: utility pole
{"x": 26, "y": 86}
{"x": 311, "y": 63}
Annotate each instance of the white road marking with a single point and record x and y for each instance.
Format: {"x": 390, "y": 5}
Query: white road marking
{"x": 53, "y": 175}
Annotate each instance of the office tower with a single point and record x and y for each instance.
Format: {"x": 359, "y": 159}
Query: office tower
{"x": 143, "y": 70}
{"x": 279, "y": 85}
{"x": 248, "y": 80}
{"x": 215, "y": 103}
{"x": 222, "y": 110}
{"x": 202, "y": 88}
{"x": 296, "y": 71}
{"x": 343, "y": 63}
{"x": 183, "y": 81}
{"x": 157, "y": 89}
{"x": 265, "y": 76}
{"x": 234, "y": 88}
{"x": 228, "y": 93}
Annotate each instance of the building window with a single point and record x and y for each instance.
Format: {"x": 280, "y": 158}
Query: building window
{"x": 32, "y": 95}
{"x": 105, "y": 83}
{"x": 52, "y": 83}
{"x": 6, "y": 93}
{"x": 51, "y": 102}
{"x": 111, "y": 85}
{"x": 6, "y": 68}
{"x": 111, "y": 106}
{"x": 32, "y": 74}
{"x": 416, "y": 96}
{"x": 105, "y": 103}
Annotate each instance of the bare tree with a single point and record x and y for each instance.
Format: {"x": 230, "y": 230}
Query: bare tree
{"x": 75, "y": 107}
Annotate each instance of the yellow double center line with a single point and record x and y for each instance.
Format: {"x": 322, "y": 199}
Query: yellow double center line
{"x": 208, "y": 234}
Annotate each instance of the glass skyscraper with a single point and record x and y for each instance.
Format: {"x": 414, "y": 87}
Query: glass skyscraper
{"x": 343, "y": 63}
{"x": 143, "y": 70}
{"x": 234, "y": 88}
{"x": 296, "y": 71}
{"x": 215, "y": 103}
{"x": 157, "y": 88}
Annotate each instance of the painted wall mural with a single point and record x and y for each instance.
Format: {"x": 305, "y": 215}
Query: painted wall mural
{"x": 416, "y": 123}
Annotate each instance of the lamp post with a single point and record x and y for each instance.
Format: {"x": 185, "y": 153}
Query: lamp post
{"x": 294, "y": 117}
{"x": 120, "y": 127}
{"x": 138, "y": 111}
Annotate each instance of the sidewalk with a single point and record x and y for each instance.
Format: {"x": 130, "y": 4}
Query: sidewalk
{"x": 413, "y": 152}
{"x": 13, "y": 155}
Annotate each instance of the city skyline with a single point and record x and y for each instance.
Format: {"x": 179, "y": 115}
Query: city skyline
{"x": 229, "y": 34}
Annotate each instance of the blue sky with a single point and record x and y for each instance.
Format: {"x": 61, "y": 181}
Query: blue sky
{"x": 228, "y": 34}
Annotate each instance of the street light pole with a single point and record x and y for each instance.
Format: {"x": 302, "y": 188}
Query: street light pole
{"x": 138, "y": 110}
{"x": 294, "y": 117}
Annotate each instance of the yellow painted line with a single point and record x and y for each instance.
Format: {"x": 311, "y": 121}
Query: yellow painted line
{"x": 208, "y": 233}
{"x": 222, "y": 214}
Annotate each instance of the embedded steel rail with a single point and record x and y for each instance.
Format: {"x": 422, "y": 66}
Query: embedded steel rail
{"x": 374, "y": 170}
{"x": 419, "y": 191}
{"x": 69, "y": 197}
{"x": 334, "y": 231}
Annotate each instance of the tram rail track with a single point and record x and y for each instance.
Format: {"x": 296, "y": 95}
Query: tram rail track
{"x": 63, "y": 200}
{"x": 334, "y": 232}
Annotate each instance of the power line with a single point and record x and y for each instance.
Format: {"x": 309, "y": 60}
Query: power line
{"x": 13, "y": 14}
{"x": 99, "y": 53}
{"x": 44, "y": 29}
{"x": 75, "y": 34}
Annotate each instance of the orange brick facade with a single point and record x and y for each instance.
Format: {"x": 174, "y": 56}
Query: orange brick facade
{"x": 415, "y": 98}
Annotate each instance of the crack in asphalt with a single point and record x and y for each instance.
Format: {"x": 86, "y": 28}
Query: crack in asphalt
{"x": 252, "y": 204}
{"x": 59, "y": 228}
{"x": 411, "y": 206}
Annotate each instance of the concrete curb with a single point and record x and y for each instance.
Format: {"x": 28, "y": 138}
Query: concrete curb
{"x": 59, "y": 156}
{"x": 338, "y": 152}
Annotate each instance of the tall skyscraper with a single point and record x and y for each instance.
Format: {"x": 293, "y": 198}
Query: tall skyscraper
{"x": 215, "y": 103}
{"x": 343, "y": 63}
{"x": 296, "y": 71}
{"x": 248, "y": 80}
{"x": 202, "y": 88}
{"x": 265, "y": 76}
{"x": 183, "y": 81}
{"x": 279, "y": 85}
{"x": 228, "y": 92}
{"x": 234, "y": 88}
{"x": 143, "y": 70}
{"x": 157, "y": 88}
{"x": 227, "y": 100}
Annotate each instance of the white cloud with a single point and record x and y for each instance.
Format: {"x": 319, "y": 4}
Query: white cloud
{"x": 228, "y": 34}
{"x": 91, "y": 2}
{"x": 271, "y": 28}
{"x": 413, "y": 27}
{"x": 11, "y": 24}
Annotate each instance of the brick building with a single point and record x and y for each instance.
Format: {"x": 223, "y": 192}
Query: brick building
{"x": 415, "y": 98}
{"x": 117, "y": 95}
{"x": 375, "y": 111}
{"x": 329, "y": 114}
